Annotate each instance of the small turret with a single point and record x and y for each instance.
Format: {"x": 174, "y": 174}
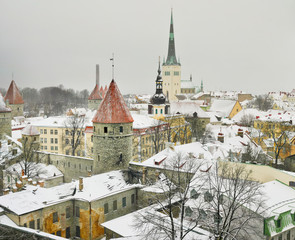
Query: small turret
{"x": 14, "y": 100}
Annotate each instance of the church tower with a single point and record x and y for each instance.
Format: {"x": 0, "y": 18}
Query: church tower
{"x": 112, "y": 133}
{"x": 14, "y": 100}
{"x": 171, "y": 69}
{"x": 159, "y": 105}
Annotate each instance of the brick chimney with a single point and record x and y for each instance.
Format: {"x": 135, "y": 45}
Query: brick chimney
{"x": 5, "y": 191}
{"x": 80, "y": 184}
{"x": 240, "y": 132}
{"x": 14, "y": 189}
{"x": 41, "y": 183}
{"x": 24, "y": 179}
{"x": 89, "y": 173}
{"x": 220, "y": 137}
{"x": 34, "y": 183}
{"x": 30, "y": 181}
{"x": 19, "y": 184}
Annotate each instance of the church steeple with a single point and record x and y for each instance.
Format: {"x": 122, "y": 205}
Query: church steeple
{"x": 171, "y": 58}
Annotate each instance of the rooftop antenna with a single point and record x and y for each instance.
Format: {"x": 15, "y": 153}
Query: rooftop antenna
{"x": 113, "y": 66}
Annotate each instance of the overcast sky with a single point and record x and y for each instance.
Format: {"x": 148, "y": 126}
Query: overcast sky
{"x": 231, "y": 44}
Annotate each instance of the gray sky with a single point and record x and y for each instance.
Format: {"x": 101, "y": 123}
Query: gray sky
{"x": 231, "y": 44}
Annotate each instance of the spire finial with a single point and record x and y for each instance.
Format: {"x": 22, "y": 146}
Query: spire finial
{"x": 113, "y": 66}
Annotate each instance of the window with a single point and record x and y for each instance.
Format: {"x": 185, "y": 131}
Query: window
{"x": 77, "y": 231}
{"x": 105, "y": 129}
{"x": 55, "y": 217}
{"x": 68, "y": 212}
{"x": 52, "y": 148}
{"x": 68, "y": 232}
{"x": 45, "y": 131}
{"x": 8, "y": 179}
{"x": 51, "y": 140}
{"x": 67, "y": 141}
{"x": 161, "y": 111}
{"x": 56, "y": 148}
{"x": 41, "y": 140}
{"x": 58, "y": 233}
{"x": 45, "y": 140}
{"x": 132, "y": 199}
{"x": 78, "y": 152}
{"x": 121, "y": 129}
{"x": 55, "y": 132}
{"x": 92, "y": 138}
{"x": 41, "y": 131}
{"x": 51, "y": 131}
{"x": 25, "y": 225}
{"x": 45, "y": 147}
{"x": 67, "y": 132}
{"x": 55, "y": 140}
{"x": 38, "y": 223}
{"x": 156, "y": 111}
{"x": 278, "y": 223}
{"x": 167, "y": 73}
{"x": 67, "y": 152}
{"x": 124, "y": 202}
{"x": 176, "y": 73}
{"x": 288, "y": 235}
{"x": 32, "y": 224}
{"x": 77, "y": 211}
{"x": 106, "y": 208}
{"x": 114, "y": 205}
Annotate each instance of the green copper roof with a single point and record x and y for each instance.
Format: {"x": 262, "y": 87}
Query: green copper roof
{"x": 171, "y": 58}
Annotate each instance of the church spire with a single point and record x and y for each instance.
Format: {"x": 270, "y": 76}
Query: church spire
{"x": 171, "y": 58}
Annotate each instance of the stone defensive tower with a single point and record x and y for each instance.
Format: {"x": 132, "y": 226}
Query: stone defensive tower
{"x": 95, "y": 97}
{"x": 30, "y": 139}
{"x": 112, "y": 133}
{"x": 5, "y": 118}
{"x": 171, "y": 69}
{"x": 14, "y": 100}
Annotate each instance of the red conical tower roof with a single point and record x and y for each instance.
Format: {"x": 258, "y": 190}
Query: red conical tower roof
{"x": 95, "y": 95}
{"x": 113, "y": 108}
{"x": 13, "y": 95}
{"x": 101, "y": 91}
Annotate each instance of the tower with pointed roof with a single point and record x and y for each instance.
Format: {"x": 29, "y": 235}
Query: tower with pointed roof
{"x": 112, "y": 132}
{"x": 5, "y": 118}
{"x": 159, "y": 105}
{"x": 171, "y": 69}
{"x": 95, "y": 97}
{"x": 14, "y": 100}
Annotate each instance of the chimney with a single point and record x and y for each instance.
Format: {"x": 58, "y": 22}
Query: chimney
{"x": 34, "y": 183}
{"x": 30, "y": 181}
{"x": 5, "y": 191}
{"x": 23, "y": 172}
{"x": 89, "y": 173}
{"x": 97, "y": 74}
{"x": 41, "y": 183}
{"x": 19, "y": 184}
{"x": 220, "y": 137}
{"x": 80, "y": 184}
{"x": 240, "y": 132}
{"x": 24, "y": 179}
{"x": 14, "y": 189}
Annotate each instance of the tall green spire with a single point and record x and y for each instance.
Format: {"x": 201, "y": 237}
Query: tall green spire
{"x": 171, "y": 58}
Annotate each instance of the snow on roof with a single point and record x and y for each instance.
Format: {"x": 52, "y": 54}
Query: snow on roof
{"x": 187, "y": 108}
{"x": 44, "y": 171}
{"x": 30, "y": 130}
{"x": 223, "y": 107}
{"x": 6, "y": 221}
{"x": 124, "y": 226}
{"x": 248, "y": 111}
{"x": 35, "y": 197}
{"x": 168, "y": 158}
{"x": 279, "y": 116}
{"x": 279, "y": 198}
{"x": 6, "y": 150}
{"x": 144, "y": 121}
{"x": 187, "y": 84}
{"x": 3, "y": 107}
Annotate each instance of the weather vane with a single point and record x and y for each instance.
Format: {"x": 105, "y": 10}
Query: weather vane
{"x": 113, "y": 66}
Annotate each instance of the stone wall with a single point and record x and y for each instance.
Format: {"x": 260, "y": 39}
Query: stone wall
{"x": 16, "y": 110}
{"x": 5, "y": 124}
{"x": 112, "y": 150}
{"x": 93, "y": 104}
{"x": 72, "y": 167}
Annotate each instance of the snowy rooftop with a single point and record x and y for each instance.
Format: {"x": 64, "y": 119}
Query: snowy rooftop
{"x": 188, "y": 108}
{"x": 35, "y": 197}
{"x": 278, "y": 116}
{"x": 187, "y": 153}
{"x": 144, "y": 121}
{"x": 6, "y": 149}
{"x": 30, "y": 131}
{"x": 223, "y": 107}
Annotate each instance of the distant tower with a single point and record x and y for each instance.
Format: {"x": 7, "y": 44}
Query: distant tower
{"x": 30, "y": 139}
{"x": 112, "y": 132}
{"x": 95, "y": 97}
{"x": 159, "y": 105}
{"x": 171, "y": 69}
{"x": 202, "y": 86}
{"x": 14, "y": 100}
{"x": 5, "y": 118}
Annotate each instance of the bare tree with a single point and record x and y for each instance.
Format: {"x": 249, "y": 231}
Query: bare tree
{"x": 221, "y": 198}
{"x": 279, "y": 144}
{"x": 263, "y": 102}
{"x": 74, "y": 132}
{"x": 247, "y": 120}
{"x": 158, "y": 135}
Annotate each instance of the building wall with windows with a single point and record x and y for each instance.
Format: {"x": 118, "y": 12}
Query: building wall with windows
{"x": 171, "y": 75}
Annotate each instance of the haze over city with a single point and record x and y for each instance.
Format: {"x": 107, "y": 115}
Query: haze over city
{"x": 230, "y": 45}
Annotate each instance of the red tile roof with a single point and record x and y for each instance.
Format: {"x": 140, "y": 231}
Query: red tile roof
{"x": 95, "y": 95}
{"x": 113, "y": 108}
{"x": 13, "y": 95}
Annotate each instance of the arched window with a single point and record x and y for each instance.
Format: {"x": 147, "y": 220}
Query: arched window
{"x": 156, "y": 111}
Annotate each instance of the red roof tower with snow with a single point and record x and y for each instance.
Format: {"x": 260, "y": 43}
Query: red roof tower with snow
{"x": 14, "y": 100}
{"x": 94, "y": 99}
{"x": 113, "y": 108}
{"x": 112, "y": 133}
